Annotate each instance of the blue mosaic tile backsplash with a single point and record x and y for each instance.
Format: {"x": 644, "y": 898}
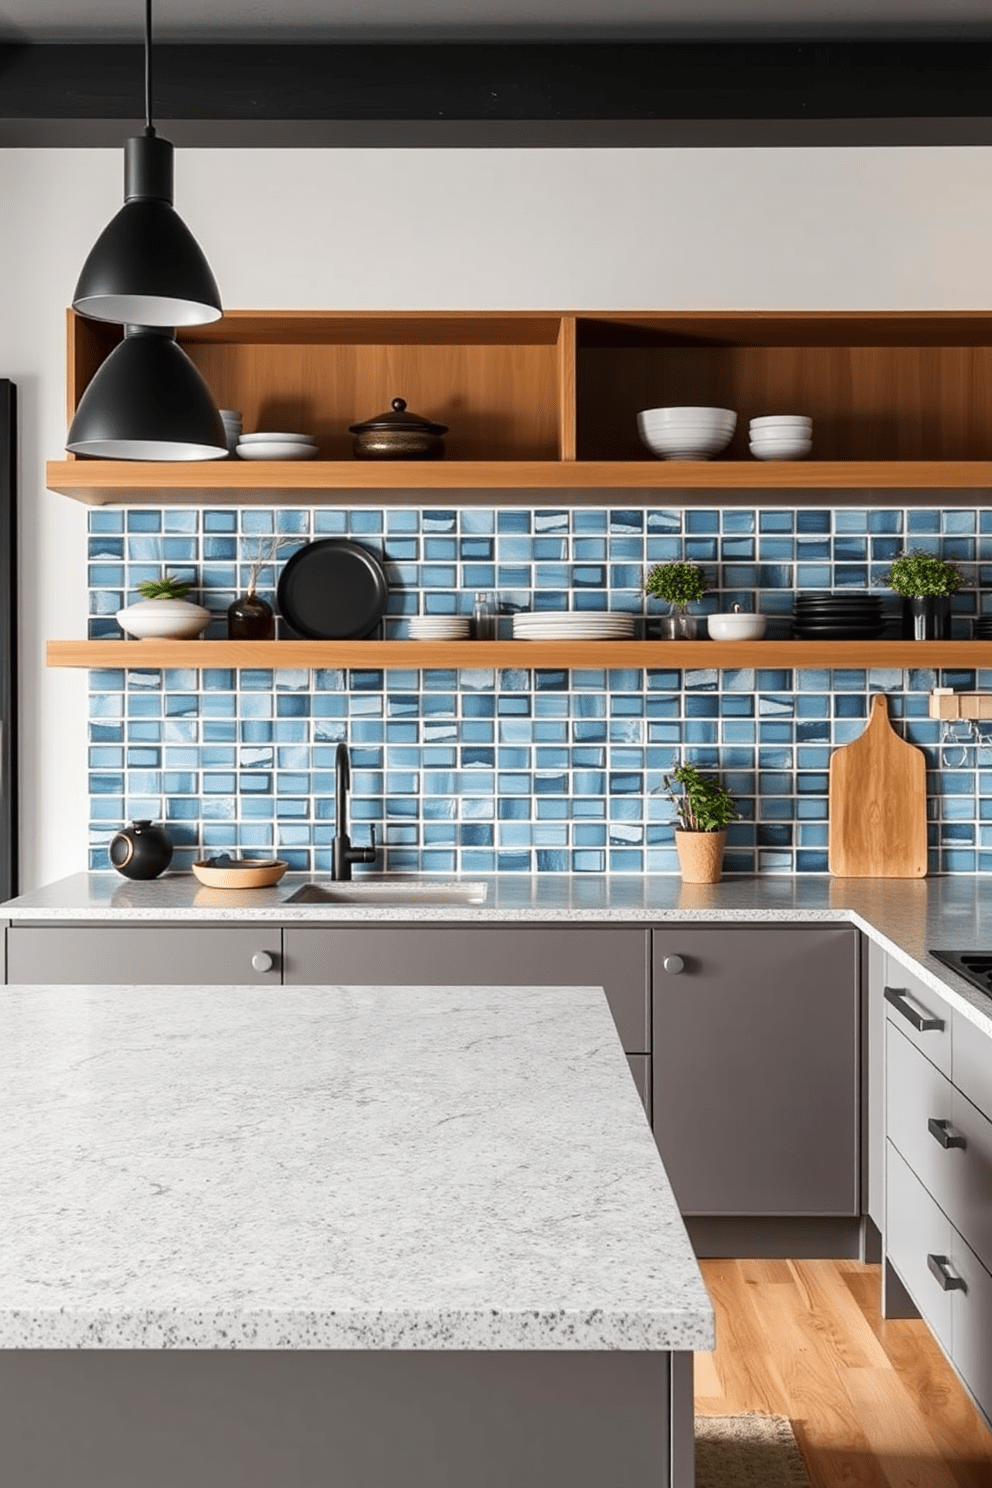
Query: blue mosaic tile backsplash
{"x": 521, "y": 770}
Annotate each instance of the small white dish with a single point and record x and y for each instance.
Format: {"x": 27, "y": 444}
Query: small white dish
{"x": 690, "y": 414}
{"x": 782, "y": 420}
{"x": 164, "y": 620}
{"x": 277, "y": 451}
{"x": 796, "y": 451}
{"x": 262, "y": 436}
{"x": 736, "y": 625}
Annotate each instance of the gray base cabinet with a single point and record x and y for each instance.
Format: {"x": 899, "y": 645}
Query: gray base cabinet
{"x": 755, "y": 1068}
{"x": 118, "y": 955}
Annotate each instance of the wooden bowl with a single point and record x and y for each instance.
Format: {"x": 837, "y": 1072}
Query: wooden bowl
{"x": 252, "y": 875}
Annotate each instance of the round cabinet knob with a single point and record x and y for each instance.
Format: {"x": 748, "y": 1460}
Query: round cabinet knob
{"x": 673, "y": 965}
{"x": 262, "y": 961}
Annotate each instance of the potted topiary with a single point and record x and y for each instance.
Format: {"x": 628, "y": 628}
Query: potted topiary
{"x": 679, "y": 583}
{"x": 163, "y": 613}
{"x": 926, "y": 585}
{"x": 704, "y": 810}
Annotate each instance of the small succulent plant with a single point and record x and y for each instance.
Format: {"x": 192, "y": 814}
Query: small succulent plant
{"x": 164, "y": 588}
{"x": 679, "y": 583}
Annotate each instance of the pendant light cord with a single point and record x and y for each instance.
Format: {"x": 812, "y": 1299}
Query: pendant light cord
{"x": 149, "y": 126}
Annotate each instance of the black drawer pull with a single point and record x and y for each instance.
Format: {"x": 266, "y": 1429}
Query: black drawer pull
{"x": 939, "y": 1128}
{"x": 950, "y": 1281}
{"x": 923, "y": 1021}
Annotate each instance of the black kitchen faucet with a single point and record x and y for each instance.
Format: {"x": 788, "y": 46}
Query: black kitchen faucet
{"x": 344, "y": 853}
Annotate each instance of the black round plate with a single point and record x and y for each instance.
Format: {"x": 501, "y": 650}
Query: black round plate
{"x": 333, "y": 590}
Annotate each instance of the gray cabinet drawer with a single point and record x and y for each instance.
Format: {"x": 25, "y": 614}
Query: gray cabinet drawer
{"x": 970, "y": 1201}
{"x": 971, "y": 1323}
{"x": 915, "y": 1229}
{"x": 448, "y": 956}
{"x": 909, "y": 1001}
{"x": 146, "y": 955}
{"x": 972, "y": 1068}
{"x": 916, "y": 1093}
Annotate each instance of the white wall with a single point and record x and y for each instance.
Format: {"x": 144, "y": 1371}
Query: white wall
{"x": 348, "y": 229}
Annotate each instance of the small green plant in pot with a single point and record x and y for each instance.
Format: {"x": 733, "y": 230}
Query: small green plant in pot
{"x": 164, "y": 613}
{"x": 926, "y": 584}
{"x": 704, "y": 810}
{"x": 678, "y": 583}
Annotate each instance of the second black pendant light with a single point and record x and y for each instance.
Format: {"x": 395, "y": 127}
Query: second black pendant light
{"x": 146, "y": 270}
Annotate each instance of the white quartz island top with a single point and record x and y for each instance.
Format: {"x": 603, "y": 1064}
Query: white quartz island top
{"x": 332, "y": 1168}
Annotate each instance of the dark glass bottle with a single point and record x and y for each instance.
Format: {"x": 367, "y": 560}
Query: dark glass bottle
{"x": 142, "y": 850}
{"x": 251, "y": 618}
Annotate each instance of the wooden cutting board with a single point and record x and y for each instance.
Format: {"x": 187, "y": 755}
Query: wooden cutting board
{"x": 878, "y": 804}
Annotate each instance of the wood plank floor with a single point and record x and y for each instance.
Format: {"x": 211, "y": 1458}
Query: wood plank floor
{"x": 874, "y": 1404}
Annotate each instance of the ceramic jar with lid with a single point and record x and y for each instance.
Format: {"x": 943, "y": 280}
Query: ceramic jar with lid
{"x": 398, "y": 434}
{"x": 142, "y": 850}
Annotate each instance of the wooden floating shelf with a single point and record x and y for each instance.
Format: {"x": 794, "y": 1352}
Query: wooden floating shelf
{"x": 285, "y": 482}
{"x": 367, "y": 655}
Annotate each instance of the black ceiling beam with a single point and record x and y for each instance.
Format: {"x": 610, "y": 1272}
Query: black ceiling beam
{"x": 451, "y": 94}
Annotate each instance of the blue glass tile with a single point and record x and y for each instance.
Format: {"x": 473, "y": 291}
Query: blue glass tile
{"x": 883, "y": 520}
{"x": 363, "y": 521}
{"x": 776, "y": 521}
{"x": 812, "y": 520}
{"x": 144, "y": 521}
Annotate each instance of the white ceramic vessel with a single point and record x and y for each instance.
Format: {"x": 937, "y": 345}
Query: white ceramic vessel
{"x": 736, "y": 625}
{"x": 164, "y": 620}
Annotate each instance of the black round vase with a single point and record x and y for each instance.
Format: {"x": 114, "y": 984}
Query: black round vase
{"x": 250, "y": 619}
{"x": 141, "y": 850}
{"x": 926, "y": 617}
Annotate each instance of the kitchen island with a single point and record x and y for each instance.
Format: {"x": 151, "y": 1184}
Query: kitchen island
{"x": 366, "y": 1236}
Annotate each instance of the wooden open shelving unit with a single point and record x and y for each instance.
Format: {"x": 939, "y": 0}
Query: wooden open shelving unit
{"x": 366, "y": 655}
{"x": 547, "y": 401}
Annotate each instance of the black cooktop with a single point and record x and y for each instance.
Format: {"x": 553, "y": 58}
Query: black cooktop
{"x": 974, "y": 966}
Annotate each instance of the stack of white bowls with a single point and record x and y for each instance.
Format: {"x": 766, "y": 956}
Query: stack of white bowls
{"x": 265, "y": 446}
{"x": 439, "y": 627}
{"x": 781, "y": 436}
{"x": 231, "y": 419}
{"x": 686, "y": 433}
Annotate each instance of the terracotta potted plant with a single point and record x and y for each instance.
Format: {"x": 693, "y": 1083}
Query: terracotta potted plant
{"x": 926, "y": 585}
{"x": 678, "y": 583}
{"x": 704, "y": 810}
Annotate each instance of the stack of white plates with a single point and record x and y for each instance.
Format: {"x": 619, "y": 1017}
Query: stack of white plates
{"x": 781, "y": 436}
{"x": 265, "y": 446}
{"x": 439, "y": 627}
{"x": 231, "y": 419}
{"x": 572, "y": 626}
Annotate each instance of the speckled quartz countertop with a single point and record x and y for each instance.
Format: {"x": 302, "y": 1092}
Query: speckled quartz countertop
{"x": 906, "y": 916}
{"x": 332, "y": 1167}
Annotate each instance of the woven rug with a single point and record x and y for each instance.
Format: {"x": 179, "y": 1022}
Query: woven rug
{"x": 748, "y": 1452}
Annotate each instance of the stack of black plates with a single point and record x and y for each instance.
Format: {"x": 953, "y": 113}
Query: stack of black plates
{"x": 839, "y": 617}
{"x": 983, "y": 628}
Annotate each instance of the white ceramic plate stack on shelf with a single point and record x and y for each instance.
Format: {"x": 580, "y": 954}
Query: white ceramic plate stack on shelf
{"x": 686, "y": 433}
{"x": 576, "y": 625}
{"x": 781, "y": 436}
{"x": 265, "y": 446}
{"x": 439, "y": 627}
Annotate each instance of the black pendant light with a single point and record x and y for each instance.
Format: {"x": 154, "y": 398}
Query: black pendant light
{"x": 146, "y": 268}
{"x": 148, "y": 402}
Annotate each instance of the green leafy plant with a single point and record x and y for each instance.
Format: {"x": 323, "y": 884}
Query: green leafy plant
{"x": 703, "y": 805}
{"x": 164, "y": 588}
{"x": 678, "y": 583}
{"x": 914, "y": 574}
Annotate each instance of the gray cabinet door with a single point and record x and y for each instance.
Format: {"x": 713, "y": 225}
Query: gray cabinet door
{"x": 755, "y": 1069}
{"x": 450, "y": 956}
{"x": 919, "y": 1239}
{"x": 146, "y": 955}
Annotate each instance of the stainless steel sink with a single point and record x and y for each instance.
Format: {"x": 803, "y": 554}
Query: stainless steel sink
{"x": 390, "y": 891}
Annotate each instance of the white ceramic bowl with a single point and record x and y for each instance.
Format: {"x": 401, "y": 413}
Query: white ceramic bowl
{"x": 262, "y": 437}
{"x": 277, "y": 450}
{"x": 736, "y": 625}
{"x": 164, "y": 620}
{"x": 791, "y": 450}
{"x": 782, "y": 420}
{"x": 713, "y": 417}
{"x": 680, "y": 446}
